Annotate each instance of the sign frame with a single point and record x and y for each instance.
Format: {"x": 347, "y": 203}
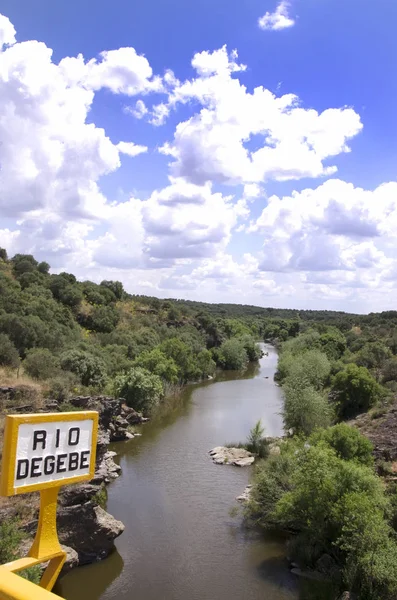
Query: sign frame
{"x": 10, "y": 450}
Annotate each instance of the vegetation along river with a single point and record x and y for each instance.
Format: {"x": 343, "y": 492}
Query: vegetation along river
{"x": 180, "y": 541}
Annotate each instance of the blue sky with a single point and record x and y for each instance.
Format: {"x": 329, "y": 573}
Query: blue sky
{"x": 230, "y": 195}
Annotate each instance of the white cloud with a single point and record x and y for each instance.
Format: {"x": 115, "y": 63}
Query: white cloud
{"x": 184, "y": 220}
{"x": 7, "y": 32}
{"x": 130, "y": 148}
{"x": 214, "y": 144}
{"x": 139, "y": 111}
{"x": 277, "y": 20}
{"x": 334, "y": 227}
{"x": 51, "y": 158}
{"x": 159, "y": 114}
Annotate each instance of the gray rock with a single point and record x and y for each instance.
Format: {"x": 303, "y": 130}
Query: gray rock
{"x": 89, "y": 530}
{"x": 129, "y": 435}
{"x": 78, "y": 494}
{"x": 239, "y": 457}
{"x": 72, "y": 559}
{"x": 245, "y": 496}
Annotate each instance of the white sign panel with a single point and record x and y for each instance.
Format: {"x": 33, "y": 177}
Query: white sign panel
{"x": 52, "y": 451}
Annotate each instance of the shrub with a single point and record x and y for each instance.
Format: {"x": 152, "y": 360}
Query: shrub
{"x": 355, "y": 391}
{"x": 347, "y": 442}
{"x": 9, "y": 356}
{"x": 40, "y": 363}
{"x": 304, "y": 408}
{"x": 233, "y": 355}
{"x": 10, "y": 539}
{"x": 90, "y": 369}
{"x": 141, "y": 389}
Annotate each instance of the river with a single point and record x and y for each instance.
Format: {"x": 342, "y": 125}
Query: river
{"x": 180, "y": 542}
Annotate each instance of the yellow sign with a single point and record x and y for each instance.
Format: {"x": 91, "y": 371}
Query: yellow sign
{"x": 43, "y": 452}
{"x": 48, "y": 450}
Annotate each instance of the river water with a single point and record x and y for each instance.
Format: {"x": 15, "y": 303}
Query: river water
{"x": 180, "y": 542}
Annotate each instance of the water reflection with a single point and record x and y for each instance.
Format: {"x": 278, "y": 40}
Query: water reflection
{"x": 91, "y": 581}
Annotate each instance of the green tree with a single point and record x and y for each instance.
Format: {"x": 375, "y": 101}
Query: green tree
{"x": 43, "y": 267}
{"x": 347, "y": 442}
{"x": 158, "y": 363}
{"x": 233, "y": 355}
{"x": 304, "y": 408}
{"x": 355, "y": 391}
{"x": 40, "y": 363}
{"x": 9, "y": 356}
{"x": 115, "y": 286}
{"x": 389, "y": 370}
{"x": 252, "y": 349}
{"x": 90, "y": 369}
{"x": 3, "y": 255}
{"x": 141, "y": 389}
{"x": 205, "y": 364}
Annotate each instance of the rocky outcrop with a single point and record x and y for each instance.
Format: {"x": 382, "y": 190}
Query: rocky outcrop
{"x": 89, "y": 530}
{"x": 381, "y": 429}
{"x": 239, "y": 457}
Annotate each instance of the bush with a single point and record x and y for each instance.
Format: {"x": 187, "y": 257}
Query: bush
{"x": 233, "y": 355}
{"x": 256, "y": 443}
{"x": 141, "y": 389}
{"x": 40, "y": 363}
{"x": 348, "y": 443}
{"x": 355, "y": 391}
{"x": 90, "y": 369}
{"x": 304, "y": 408}
{"x": 9, "y": 356}
{"x": 158, "y": 363}
{"x": 10, "y": 539}
{"x": 62, "y": 386}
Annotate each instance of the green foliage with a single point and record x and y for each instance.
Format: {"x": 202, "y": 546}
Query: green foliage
{"x": 9, "y": 356}
{"x": 183, "y": 357}
{"x": 90, "y": 369}
{"x": 157, "y": 362}
{"x": 205, "y": 364}
{"x": 355, "y": 391}
{"x": 32, "y": 574}
{"x": 102, "y": 319}
{"x": 389, "y": 370}
{"x": 114, "y": 286}
{"x": 233, "y": 355}
{"x": 348, "y": 443}
{"x": 40, "y": 363}
{"x": 256, "y": 443}
{"x": 3, "y": 254}
{"x": 252, "y": 349}
{"x": 305, "y": 408}
{"x": 333, "y": 343}
{"x": 141, "y": 389}
{"x": 10, "y": 539}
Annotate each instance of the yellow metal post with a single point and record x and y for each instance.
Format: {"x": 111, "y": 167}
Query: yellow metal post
{"x": 30, "y": 442}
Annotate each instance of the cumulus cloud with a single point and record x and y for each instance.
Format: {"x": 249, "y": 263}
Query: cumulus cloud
{"x": 184, "y": 220}
{"x": 139, "y": 111}
{"x": 51, "y": 158}
{"x": 277, "y": 20}
{"x": 214, "y": 144}
{"x": 7, "y": 32}
{"x": 334, "y": 227}
{"x": 130, "y": 148}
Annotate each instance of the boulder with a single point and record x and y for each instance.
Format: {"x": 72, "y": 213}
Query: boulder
{"x": 78, "y": 494}
{"x": 245, "y": 496}
{"x": 239, "y": 457}
{"x": 72, "y": 559}
{"x": 89, "y": 530}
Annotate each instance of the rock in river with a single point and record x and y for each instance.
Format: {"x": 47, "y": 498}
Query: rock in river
{"x": 239, "y": 457}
